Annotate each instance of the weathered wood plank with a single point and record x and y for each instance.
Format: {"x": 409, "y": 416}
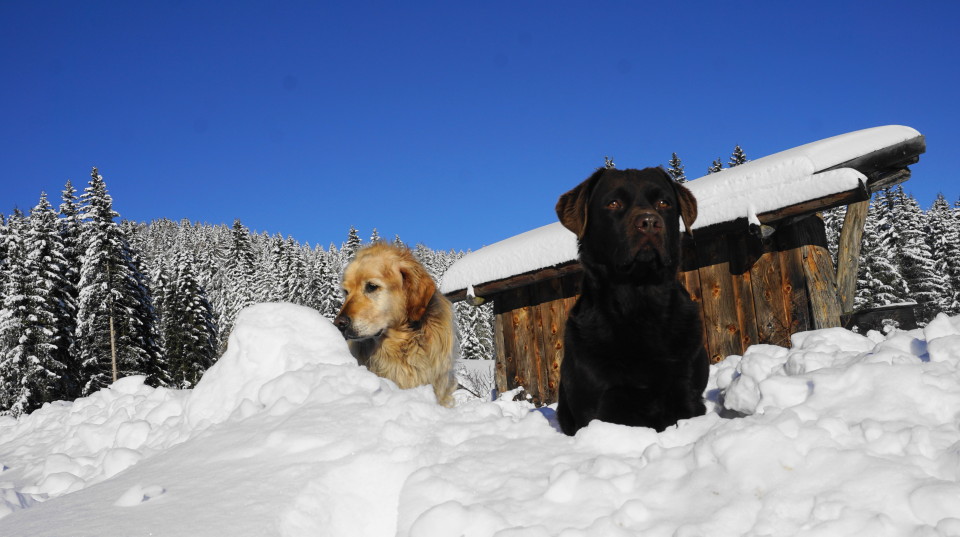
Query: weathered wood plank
{"x": 721, "y": 323}
{"x": 773, "y": 320}
{"x": 500, "y": 363}
{"x": 818, "y": 272}
{"x": 793, "y": 278}
{"x": 526, "y": 342}
{"x": 848, "y": 253}
{"x": 743, "y": 255}
{"x": 507, "y": 352}
{"x": 552, "y": 319}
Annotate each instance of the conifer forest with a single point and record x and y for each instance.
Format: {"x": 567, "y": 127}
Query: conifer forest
{"x": 86, "y": 297}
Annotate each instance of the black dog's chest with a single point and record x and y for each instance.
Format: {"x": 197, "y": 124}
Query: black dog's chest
{"x": 625, "y": 345}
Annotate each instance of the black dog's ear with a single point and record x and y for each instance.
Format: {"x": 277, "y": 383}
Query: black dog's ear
{"x": 572, "y": 206}
{"x": 688, "y": 203}
{"x": 688, "y": 206}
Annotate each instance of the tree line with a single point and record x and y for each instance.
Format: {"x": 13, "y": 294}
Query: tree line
{"x": 86, "y": 298}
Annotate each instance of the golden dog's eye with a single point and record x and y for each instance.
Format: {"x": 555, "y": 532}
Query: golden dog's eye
{"x": 663, "y": 204}
{"x": 615, "y": 205}
{"x": 371, "y": 287}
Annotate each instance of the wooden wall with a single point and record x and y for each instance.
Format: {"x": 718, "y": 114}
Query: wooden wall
{"x": 750, "y": 290}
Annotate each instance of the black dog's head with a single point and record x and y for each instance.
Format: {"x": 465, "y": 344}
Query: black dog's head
{"x": 627, "y": 222}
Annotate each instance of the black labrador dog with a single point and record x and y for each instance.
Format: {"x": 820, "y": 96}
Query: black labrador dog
{"x": 633, "y": 346}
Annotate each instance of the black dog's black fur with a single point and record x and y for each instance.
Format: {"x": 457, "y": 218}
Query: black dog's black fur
{"x": 633, "y": 346}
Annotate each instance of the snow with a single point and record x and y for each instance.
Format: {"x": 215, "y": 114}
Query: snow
{"x": 842, "y": 434}
{"x": 793, "y": 176}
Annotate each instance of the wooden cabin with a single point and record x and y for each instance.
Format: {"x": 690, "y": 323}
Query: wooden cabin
{"x": 757, "y": 261}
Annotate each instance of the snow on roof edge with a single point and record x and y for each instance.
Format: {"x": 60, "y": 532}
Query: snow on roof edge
{"x": 766, "y": 184}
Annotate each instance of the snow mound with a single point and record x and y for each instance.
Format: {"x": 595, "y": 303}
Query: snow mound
{"x": 268, "y": 340}
{"x": 841, "y": 434}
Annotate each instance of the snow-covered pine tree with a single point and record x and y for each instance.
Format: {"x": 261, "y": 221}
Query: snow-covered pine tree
{"x": 296, "y": 278}
{"x": 190, "y": 338}
{"x": 833, "y": 223}
{"x": 239, "y": 278}
{"x": 70, "y": 225}
{"x": 475, "y": 328}
{"x": 902, "y": 229}
{"x": 889, "y": 208}
{"x": 928, "y": 288}
{"x": 676, "y": 169}
{"x": 50, "y": 304}
{"x": 877, "y": 276}
{"x": 19, "y": 374}
{"x": 375, "y": 236}
{"x": 737, "y": 158}
{"x": 328, "y": 276}
{"x": 349, "y": 248}
{"x": 715, "y": 166}
{"x": 115, "y": 331}
{"x": 943, "y": 239}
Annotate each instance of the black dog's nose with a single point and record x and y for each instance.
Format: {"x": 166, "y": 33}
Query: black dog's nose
{"x": 342, "y": 322}
{"x": 649, "y": 222}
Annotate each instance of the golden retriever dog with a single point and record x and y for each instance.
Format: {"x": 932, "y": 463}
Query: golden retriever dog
{"x": 395, "y": 321}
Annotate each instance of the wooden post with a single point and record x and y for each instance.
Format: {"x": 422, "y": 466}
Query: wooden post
{"x": 848, "y": 255}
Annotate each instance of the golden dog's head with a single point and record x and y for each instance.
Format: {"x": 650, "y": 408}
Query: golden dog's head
{"x": 385, "y": 287}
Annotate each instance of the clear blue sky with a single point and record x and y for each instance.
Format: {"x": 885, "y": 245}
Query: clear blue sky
{"x": 455, "y": 124}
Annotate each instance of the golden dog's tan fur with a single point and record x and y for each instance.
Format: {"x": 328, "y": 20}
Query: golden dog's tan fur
{"x": 396, "y": 322}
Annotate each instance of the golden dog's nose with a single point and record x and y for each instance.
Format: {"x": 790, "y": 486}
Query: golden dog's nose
{"x": 342, "y": 322}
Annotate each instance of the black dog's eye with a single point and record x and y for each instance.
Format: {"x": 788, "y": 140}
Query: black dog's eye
{"x": 371, "y": 287}
{"x": 663, "y": 204}
{"x": 615, "y": 205}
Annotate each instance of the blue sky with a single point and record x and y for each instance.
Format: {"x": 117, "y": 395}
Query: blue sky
{"x": 454, "y": 124}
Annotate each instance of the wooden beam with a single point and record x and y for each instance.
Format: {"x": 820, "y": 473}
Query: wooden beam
{"x": 498, "y": 286}
{"x": 848, "y": 255}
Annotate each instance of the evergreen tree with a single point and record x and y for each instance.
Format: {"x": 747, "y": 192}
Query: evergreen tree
{"x": 676, "y": 169}
{"x": 877, "y": 277}
{"x": 943, "y": 239}
{"x": 889, "y": 208}
{"x": 20, "y": 374}
{"x": 190, "y": 332}
{"x": 70, "y": 229}
{"x": 928, "y": 288}
{"x": 115, "y": 333}
{"x": 328, "y": 276}
{"x": 833, "y": 223}
{"x": 737, "y": 158}
{"x": 475, "y": 328}
{"x": 240, "y": 272}
{"x": 375, "y": 236}
{"x": 715, "y": 166}
{"x": 349, "y": 248}
{"x": 296, "y": 278}
{"x": 50, "y": 305}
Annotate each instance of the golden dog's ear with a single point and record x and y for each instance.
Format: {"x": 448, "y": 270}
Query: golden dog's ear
{"x": 419, "y": 288}
{"x": 572, "y": 206}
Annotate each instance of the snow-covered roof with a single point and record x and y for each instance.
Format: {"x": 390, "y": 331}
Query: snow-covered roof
{"x": 787, "y": 178}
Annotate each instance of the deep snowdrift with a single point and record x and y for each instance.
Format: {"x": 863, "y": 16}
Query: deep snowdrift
{"x": 286, "y": 435}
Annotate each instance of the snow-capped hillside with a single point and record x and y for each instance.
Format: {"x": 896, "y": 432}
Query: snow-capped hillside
{"x": 840, "y": 435}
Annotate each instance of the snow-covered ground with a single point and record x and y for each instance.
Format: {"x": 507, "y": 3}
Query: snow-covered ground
{"x": 840, "y": 435}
